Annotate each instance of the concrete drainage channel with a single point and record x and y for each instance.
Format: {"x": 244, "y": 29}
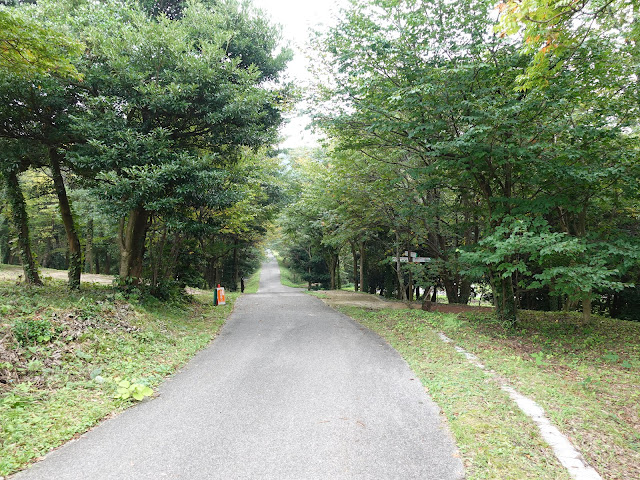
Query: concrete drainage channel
{"x": 564, "y": 451}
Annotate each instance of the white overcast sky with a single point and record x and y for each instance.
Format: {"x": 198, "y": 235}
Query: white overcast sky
{"x": 298, "y": 18}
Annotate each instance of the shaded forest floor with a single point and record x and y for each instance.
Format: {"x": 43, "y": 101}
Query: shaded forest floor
{"x": 14, "y": 273}
{"x": 376, "y": 302}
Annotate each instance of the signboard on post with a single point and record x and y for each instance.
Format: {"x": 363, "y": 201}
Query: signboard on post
{"x": 413, "y": 258}
{"x": 218, "y": 298}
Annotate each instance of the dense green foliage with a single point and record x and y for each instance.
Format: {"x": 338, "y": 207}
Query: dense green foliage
{"x": 27, "y": 47}
{"x": 553, "y": 31}
{"x": 156, "y": 151}
{"x": 434, "y": 147}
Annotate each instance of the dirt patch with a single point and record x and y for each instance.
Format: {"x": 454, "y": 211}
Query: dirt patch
{"x": 376, "y": 302}
{"x": 198, "y": 291}
{"x": 358, "y": 299}
{"x": 456, "y": 308}
{"x": 14, "y": 273}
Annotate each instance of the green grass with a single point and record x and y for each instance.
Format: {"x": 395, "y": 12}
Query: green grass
{"x": 289, "y": 278}
{"x": 585, "y": 377}
{"x": 253, "y": 283}
{"x": 52, "y": 389}
{"x": 318, "y": 294}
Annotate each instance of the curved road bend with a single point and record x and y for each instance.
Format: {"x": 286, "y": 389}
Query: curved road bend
{"x": 290, "y": 389}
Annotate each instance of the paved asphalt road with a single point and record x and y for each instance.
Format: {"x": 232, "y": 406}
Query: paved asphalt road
{"x": 289, "y": 390}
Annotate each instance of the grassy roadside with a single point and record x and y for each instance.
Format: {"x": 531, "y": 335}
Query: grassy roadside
{"x": 63, "y": 355}
{"x": 253, "y": 282}
{"x": 289, "y": 278}
{"x": 585, "y": 376}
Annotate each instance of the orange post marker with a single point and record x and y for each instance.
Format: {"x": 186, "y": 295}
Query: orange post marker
{"x": 219, "y": 298}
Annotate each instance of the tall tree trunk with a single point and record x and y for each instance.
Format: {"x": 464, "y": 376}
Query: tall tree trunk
{"x": 503, "y": 298}
{"x": 107, "y": 262}
{"x": 354, "y": 254}
{"x": 402, "y": 293}
{"x": 458, "y": 289}
{"x": 586, "y": 308}
{"x": 333, "y": 260}
{"x": 363, "y": 262}
{"x": 309, "y": 268}
{"x": 89, "y": 263}
{"x": 73, "y": 241}
{"x": 131, "y": 238}
{"x": 465, "y": 290}
{"x": 216, "y": 274}
{"x": 450, "y": 288}
{"x": 410, "y": 286}
{"x": 21, "y": 224}
{"x": 158, "y": 255}
{"x": 236, "y": 267}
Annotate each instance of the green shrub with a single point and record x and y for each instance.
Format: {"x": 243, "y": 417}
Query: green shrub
{"x": 33, "y": 331}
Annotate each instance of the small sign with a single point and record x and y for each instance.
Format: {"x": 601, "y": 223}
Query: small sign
{"x": 219, "y": 296}
{"x": 413, "y": 259}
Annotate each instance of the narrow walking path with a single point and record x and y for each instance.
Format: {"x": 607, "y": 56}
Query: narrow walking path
{"x": 290, "y": 389}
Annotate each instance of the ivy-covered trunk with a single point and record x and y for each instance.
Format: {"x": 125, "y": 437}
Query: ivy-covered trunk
{"x": 75, "y": 250}
{"x": 89, "y": 262}
{"x": 131, "y": 239}
{"x": 21, "y": 224}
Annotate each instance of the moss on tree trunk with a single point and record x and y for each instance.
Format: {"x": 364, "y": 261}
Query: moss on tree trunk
{"x": 21, "y": 224}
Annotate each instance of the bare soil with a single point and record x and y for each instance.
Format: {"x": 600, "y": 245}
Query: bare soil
{"x": 14, "y": 272}
{"x": 376, "y": 302}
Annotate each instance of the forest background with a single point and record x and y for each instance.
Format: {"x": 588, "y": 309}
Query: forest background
{"x": 499, "y": 141}
{"x": 495, "y": 141}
